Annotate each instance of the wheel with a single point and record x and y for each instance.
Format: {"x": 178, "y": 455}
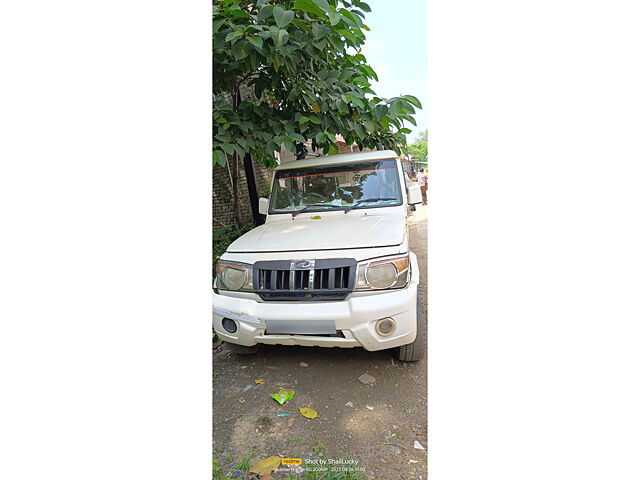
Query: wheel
{"x": 244, "y": 350}
{"x": 415, "y": 350}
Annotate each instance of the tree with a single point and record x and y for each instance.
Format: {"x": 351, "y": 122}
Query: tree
{"x": 419, "y": 149}
{"x": 302, "y": 60}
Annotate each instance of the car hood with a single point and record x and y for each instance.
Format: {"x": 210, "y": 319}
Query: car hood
{"x": 327, "y": 233}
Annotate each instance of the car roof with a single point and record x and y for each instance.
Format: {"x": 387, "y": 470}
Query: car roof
{"x": 339, "y": 158}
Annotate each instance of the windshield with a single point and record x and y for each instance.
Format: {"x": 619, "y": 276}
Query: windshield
{"x": 367, "y": 184}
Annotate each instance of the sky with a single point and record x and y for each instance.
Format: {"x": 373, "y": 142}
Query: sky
{"x": 396, "y": 48}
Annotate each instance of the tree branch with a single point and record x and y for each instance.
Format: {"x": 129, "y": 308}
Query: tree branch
{"x": 241, "y": 81}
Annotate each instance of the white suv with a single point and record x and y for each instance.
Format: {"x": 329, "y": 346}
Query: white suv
{"x": 331, "y": 267}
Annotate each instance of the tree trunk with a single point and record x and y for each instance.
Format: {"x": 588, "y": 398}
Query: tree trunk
{"x": 235, "y": 167}
{"x": 236, "y": 190}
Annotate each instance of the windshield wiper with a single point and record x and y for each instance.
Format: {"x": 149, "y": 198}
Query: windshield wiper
{"x": 367, "y": 200}
{"x": 293, "y": 214}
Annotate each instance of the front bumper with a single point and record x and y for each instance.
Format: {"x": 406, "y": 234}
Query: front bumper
{"x": 355, "y": 317}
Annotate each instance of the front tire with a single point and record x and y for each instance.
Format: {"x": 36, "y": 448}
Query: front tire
{"x": 415, "y": 350}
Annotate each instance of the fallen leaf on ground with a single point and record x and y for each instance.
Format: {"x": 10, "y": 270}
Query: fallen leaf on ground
{"x": 241, "y": 400}
{"x": 416, "y": 444}
{"x": 259, "y": 381}
{"x": 308, "y": 412}
{"x": 348, "y": 404}
{"x": 303, "y": 364}
{"x": 413, "y": 461}
{"x": 369, "y": 407}
{"x": 266, "y": 466}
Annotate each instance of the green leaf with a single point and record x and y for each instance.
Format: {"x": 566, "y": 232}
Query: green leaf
{"x": 240, "y": 151}
{"x": 348, "y": 16}
{"x": 239, "y": 50}
{"x": 323, "y": 4}
{"x": 358, "y": 102}
{"x": 413, "y": 100}
{"x": 228, "y": 148}
{"x": 315, "y": 120}
{"x": 273, "y": 146}
{"x": 334, "y": 17}
{"x": 380, "y": 111}
{"x": 342, "y": 106}
{"x": 216, "y": 25}
{"x": 360, "y": 131}
{"x": 410, "y": 119}
{"x": 264, "y": 13}
{"x": 256, "y": 41}
{"x": 233, "y": 35}
{"x": 394, "y": 109}
{"x": 281, "y": 16}
{"x": 279, "y": 37}
{"x": 237, "y": 12}
{"x": 302, "y": 120}
{"x": 288, "y": 144}
{"x": 404, "y": 130}
{"x": 363, "y": 6}
{"x": 219, "y": 157}
{"x": 308, "y": 6}
{"x": 298, "y": 137}
{"x": 283, "y": 37}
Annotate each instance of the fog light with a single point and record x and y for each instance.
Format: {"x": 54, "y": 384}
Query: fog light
{"x": 229, "y": 325}
{"x": 385, "y": 326}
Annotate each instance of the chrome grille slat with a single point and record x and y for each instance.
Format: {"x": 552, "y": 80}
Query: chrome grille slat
{"x": 325, "y": 279}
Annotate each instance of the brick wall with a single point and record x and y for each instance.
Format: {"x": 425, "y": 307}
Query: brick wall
{"x": 223, "y": 194}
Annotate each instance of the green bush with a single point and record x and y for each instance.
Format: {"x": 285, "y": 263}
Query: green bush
{"x": 223, "y": 237}
{"x": 218, "y": 472}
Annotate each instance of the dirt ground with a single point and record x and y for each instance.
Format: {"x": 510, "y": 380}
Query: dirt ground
{"x": 375, "y": 425}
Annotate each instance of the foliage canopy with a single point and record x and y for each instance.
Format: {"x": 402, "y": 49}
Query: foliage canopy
{"x": 302, "y": 59}
{"x": 419, "y": 150}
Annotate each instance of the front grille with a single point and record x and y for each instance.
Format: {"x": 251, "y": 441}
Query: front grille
{"x": 327, "y": 279}
{"x": 338, "y": 334}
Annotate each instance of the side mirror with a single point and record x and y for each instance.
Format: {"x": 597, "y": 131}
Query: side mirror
{"x": 414, "y": 195}
{"x": 263, "y": 206}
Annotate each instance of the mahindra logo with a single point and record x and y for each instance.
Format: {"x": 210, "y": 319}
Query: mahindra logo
{"x": 303, "y": 264}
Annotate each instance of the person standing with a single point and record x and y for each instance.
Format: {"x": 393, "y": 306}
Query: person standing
{"x": 422, "y": 181}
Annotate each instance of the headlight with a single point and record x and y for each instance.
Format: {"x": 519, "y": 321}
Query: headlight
{"x": 377, "y": 274}
{"x": 234, "y": 276}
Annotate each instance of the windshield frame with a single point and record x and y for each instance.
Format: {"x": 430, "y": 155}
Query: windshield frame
{"x": 335, "y": 208}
